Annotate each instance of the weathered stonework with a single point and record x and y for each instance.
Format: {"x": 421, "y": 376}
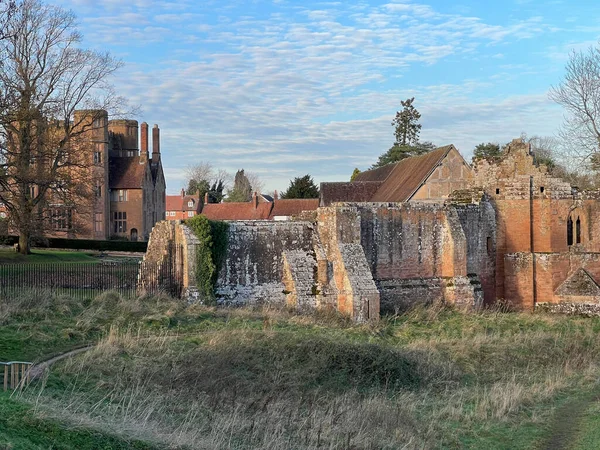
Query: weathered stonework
{"x": 173, "y": 243}
{"x": 517, "y": 235}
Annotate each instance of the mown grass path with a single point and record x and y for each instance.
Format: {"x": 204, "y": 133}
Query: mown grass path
{"x": 570, "y": 427}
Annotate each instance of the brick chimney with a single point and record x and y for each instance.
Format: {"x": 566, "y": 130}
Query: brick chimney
{"x": 255, "y": 199}
{"x": 275, "y": 196}
{"x": 155, "y": 144}
{"x": 205, "y": 198}
{"x": 182, "y": 192}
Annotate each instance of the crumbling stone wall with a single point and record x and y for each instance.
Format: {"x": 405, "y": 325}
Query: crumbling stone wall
{"x": 172, "y": 243}
{"x": 414, "y": 251}
{"x": 253, "y": 268}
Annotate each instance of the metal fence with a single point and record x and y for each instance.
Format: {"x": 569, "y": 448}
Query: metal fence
{"x": 88, "y": 280}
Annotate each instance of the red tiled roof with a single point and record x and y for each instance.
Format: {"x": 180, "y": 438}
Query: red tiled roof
{"x": 237, "y": 211}
{"x": 179, "y": 203}
{"x": 293, "y": 206}
{"x": 126, "y": 173}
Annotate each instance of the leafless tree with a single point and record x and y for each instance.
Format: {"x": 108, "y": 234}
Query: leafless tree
{"x": 579, "y": 94}
{"x": 255, "y": 182}
{"x": 45, "y": 77}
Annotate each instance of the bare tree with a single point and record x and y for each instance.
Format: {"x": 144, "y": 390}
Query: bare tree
{"x": 579, "y": 94}
{"x": 44, "y": 145}
{"x": 255, "y": 182}
{"x": 7, "y": 8}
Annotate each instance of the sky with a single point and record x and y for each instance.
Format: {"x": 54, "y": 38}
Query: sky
{"x": 284, "y": 88}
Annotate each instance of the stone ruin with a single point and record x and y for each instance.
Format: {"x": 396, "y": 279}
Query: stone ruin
{"x": 498, "y": 232}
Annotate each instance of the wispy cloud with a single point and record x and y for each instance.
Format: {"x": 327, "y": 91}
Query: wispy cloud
{"x": 286, "y": 88}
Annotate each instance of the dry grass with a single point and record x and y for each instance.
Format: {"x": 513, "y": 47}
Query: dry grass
{"x": 266, "y": 379}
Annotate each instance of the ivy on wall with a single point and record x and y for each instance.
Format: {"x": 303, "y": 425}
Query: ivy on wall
{"x": 210, "y": 254}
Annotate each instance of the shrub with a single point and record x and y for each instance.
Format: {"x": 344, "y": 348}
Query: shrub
{"x": 210, "y": 254}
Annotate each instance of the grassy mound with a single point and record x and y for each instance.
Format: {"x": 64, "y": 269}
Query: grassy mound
{"x": 198, "y": 377}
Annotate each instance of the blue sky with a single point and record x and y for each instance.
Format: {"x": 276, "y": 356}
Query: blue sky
{"x": 284, "y": 88}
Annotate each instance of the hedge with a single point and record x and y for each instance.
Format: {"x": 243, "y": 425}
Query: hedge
{"x": 83, "y": 244}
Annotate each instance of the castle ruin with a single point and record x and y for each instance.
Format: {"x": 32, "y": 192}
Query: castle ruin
{"x": 427, "y": 229}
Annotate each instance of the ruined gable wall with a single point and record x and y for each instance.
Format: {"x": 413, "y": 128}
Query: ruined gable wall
{"x": 451, "y": 174}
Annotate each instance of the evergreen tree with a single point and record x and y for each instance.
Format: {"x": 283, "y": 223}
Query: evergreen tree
{"x": 406, "y": 132}
{"x": 354, "y": 174}
{"x": 215, "y": 193}
{"x": 195, "y": 186}
{"x": 242, "y": 190}
{"x": 406, "y": 123}
{"x": 302, "y": 187}
{"x": 490, "y": 151}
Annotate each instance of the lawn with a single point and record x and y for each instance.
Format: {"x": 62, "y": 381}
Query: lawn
{"x": 165, "y": 373}
{"x": 9, "y": 256}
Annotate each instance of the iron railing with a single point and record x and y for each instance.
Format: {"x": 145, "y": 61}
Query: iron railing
{"x": 82, "y": 281}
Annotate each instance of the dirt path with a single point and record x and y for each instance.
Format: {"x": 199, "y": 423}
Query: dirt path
{"x": 38, "y": 369}
{"x": 566, "y": 423}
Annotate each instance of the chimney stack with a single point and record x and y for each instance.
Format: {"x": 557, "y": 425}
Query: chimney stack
{"x": 275, "y": 196}
{"x": 255, "y": 199}
{"x": 182, "y": 192}
{"x": 206, "y": 198}
{"x": 155, "y": 144}
{"x": 144, "y": 139}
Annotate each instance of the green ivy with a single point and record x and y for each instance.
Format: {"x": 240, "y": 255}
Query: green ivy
{"x": 210, "y": 254}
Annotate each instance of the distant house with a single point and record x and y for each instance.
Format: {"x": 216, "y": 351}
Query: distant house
{"x": 261, "y": 207}
{"x": 431, "y": 177}
{"x": 182, "y": 206}
{"x": 125, "y": 181}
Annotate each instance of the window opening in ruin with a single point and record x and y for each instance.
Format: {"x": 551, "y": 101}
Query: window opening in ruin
{"x": 542, "y": 189}
{"x": 578, "y": 231}
{"x": 489, "y": 245}
{"x": 497, "y": 190}
{"x": 570, "y": 231}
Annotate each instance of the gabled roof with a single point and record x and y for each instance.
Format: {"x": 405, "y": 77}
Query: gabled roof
{"x": 126, "y": 173}
{"x": 293, "y": 206}
{"x": 237, "y": 211}
{"x": 402, "y": 179}
{"x": 179, "y": 203}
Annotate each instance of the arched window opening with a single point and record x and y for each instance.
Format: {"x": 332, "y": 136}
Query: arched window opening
{"x": 578, "y": 231}
{"x": 570, "y": 231}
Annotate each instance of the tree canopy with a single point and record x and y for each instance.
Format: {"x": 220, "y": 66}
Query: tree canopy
{"x": 45, "y": 77}
{"x": 242, "y": 190}
{"x": 355, "y": 173}
{"x": 302, "y": 187}
{"x": 490, "y": 151}
{"x": 406, "y": 124}
{"x": 406, "y": 131}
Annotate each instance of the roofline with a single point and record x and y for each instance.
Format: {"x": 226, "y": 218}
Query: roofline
{"x": 450, "y": 147}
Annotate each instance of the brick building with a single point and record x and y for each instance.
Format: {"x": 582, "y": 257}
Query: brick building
{"x": 260, "y": 207}
{"x": 126, "y": 181}
{"x": 182, "y": 206}
{"x": 429, "y": 177}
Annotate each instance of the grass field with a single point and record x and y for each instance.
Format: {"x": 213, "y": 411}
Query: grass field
{"x": 9, "y": 256}
{"x": 165, "y": 374}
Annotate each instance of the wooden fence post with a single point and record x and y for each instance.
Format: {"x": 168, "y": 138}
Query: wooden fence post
{"x": 5, "y": 378}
